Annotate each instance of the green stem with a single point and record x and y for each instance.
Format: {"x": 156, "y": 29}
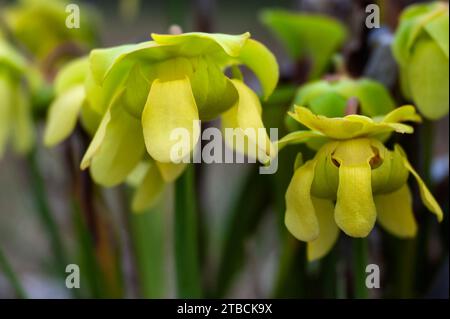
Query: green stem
{"x": 11, "y": 276}
{"x": 147, "y": 230}
{"x": 422, "y": 268}
{"x": 291, "y": 277}
{"x": 186, "y": 237}
{"x": 360, "y": 259}
{"x": 45, "y": 214}
{"x": 329, "y": 277}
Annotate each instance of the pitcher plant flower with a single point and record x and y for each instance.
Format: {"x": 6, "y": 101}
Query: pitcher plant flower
{"x": 48, "y": 19}
{"x": 353, "y": 180}
{"x": 15, "y": 109}
{"x": 136, "y": 95}
{"x": 421, "y": 48}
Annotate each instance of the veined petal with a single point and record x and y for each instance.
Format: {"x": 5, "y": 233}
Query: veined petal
{"x": 170, "y": 106}
{"x": 300, "y": 218}
{"x": 121, "y": 149}
{"x": 246, "y": 117}
{"x": 355, "y": 211}
{"x": 297, "y": 137}
{"x": 196, "y": 43}
{"x": 170, "y": 171}
{"x": 395, "y": 214}
{"x": 150, "y": 189}
{"x": 329, "y": 231}
{"x": 62, "y": 115}
{"x": 427, "y": 198}
{"x": 263, "y": 63}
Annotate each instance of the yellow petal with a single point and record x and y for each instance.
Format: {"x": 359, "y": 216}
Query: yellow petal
{"x": 329, "y": 231}
{"x": 427, "y": 198}
{"x": 170, "y": 171}
{"x": 150, "y": 189}
{"x": 353, "y": 126}
{"x": 170, "y": 105}
{"x": 402, "y": 114}
{"x": 395, "y": 214}
{"x": 300, "y": 218}
{"x": 245, "y": 116}
{"x": 337, "y": 128}
{"x": 63, "y": 114}
{"x": 355, "y": 211}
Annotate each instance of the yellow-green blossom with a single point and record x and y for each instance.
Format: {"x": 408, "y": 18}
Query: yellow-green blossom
{"x": 352, "y": 181}
{"x": 138, "y": 94}
{"x": 421, "y": 48}
{"x": 41, "y": 26}
{"x": 15, "y": 112}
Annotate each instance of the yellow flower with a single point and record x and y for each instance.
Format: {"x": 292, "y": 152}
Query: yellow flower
{"x": 352, "y": 181}
{"x": 132, "y": 97}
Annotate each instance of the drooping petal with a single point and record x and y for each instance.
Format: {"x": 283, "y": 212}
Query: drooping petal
{"x": 170, "y": 106}
{"x": 149, "y": 190}
{"x": 120, "y": 149}
{"x": 63, "y": 114}
{"x": 355, "y": 211}
{"x": 395, "y": 213}
{"x": 300, "y": 218}
{"x": 263, "y": 63}
{"x": 170, "y": 171}
{"x": 245, "y": 116}
{"x": 329, "y": 231}
{"x": 427, "y": 198}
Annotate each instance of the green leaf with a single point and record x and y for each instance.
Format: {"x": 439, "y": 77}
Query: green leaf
{"x": 147, "y": 230}
{"x": 428, "y": 76}
{"x": 307, "y": 36}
